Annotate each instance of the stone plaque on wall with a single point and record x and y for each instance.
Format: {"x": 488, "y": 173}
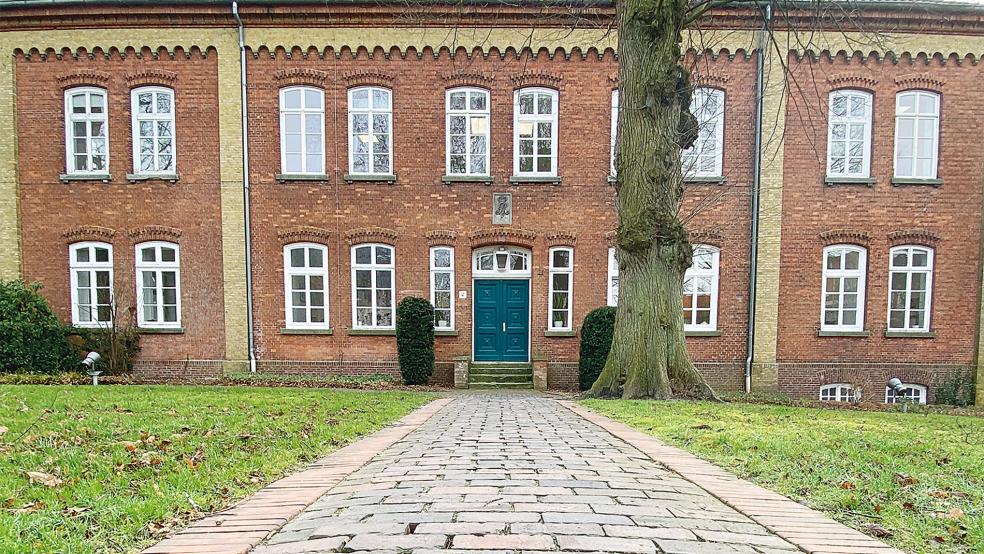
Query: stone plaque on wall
{"x": 502, "y": 208}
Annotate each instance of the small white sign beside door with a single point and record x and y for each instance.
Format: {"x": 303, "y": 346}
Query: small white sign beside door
{"x": 462, "y": 294}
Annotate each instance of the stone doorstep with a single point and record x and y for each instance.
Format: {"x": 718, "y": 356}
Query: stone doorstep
{"x": 241, "y": 527}
{"x": 799, "y": 525}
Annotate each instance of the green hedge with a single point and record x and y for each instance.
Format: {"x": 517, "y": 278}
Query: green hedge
{"x": 415, "y": 339}
{"x": 32, "y": 339}
{"x": 596, "y": 341}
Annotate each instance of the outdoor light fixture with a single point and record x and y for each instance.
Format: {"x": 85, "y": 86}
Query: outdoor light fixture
{"x": 896, "y": 384}
{"x": 501, "y": 257}
{"x": 90, "y": 366}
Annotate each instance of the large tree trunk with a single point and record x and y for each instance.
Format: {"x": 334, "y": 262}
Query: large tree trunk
{"x": 649, "y": 356}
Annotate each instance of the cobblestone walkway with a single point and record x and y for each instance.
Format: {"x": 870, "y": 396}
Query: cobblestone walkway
{"x": 518, "y": 473}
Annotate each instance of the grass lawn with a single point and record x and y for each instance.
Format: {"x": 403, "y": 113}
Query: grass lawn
{"x": 920, "y": 476}
{"x": 112, "y": 468}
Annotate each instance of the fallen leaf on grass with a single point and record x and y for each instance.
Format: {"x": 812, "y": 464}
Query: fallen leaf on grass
{"x": 954, "y": 513}
{"x": 847, "y": 485}
{"x": 939, "y": 539}
{"x": 28, "y": 508}
{"x": 904, "y": 480}
{"x": 75, "y": 511}
{"x": 45, "y": 479}
{"x": 156, "y": 528}
{"x": 8, "y": 503}
{"x": 943, "y": 495}
{"x": 876, "y": 530}
{"x": 3, "y": 430}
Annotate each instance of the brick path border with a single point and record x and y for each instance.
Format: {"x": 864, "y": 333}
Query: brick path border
{"x": 238, "y": 529}
{"x": 810, "y": 530}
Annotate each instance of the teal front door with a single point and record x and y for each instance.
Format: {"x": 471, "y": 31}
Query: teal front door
{"x": 502, "y": 320}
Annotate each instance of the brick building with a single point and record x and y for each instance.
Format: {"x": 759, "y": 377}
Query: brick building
{"x": 458, "y": 154}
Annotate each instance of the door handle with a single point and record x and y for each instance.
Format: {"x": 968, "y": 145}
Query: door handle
{"x": 503, "y": 326}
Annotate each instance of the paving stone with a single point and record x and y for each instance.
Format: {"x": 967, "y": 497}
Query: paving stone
{"x": 605, "y": 544}
{"x": 557, "y": 528}
{"x": 512, "y": 542}
{"x": 461, "y": 528}
{"x": 694, "y": 547}
{"x": 400, "y": 542}
{"x": 319, "y": 545}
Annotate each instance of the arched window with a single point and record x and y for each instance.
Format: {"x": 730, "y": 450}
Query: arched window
{"x": 498, "y": 261}
{"x": 849, "y": 134}
{"x": 468, "y": 127}
{"x": 705, "y": 158}
{"x": 917, "y": 134}
{"x": 838, "y": 392}
{"x": 561, "y": 293}
{"x": 158, "y": 285}
{"x": 535, "y": 132}
{"x": 442, "y": 286}
{"x": 373, "y": 286}
{"x": 86, "y": 131}
{"x": 914, "y": 394}
{"x": 152, "y": 112}
{"x": 700, "y": 290}
{"x": 842, "y": 304}
{"x": 370, "y": 131}
{"x": 306, "y": 286}
{"x": 91, "y": 268}
{"x": 910, "y": 283}
{"x": 302, "y": 131}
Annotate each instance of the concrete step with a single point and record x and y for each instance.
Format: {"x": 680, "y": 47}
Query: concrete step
{"x": 500, "y": 377}
{"x": 501, "y": 385}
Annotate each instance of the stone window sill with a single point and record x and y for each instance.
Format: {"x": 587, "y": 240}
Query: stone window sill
{"x": 534, "y": 180}
{"x": 702, "y": 333}
{"x": 289, "y": 331}
{"x": 861, "y": 334}
{"x": 834, "y": 180}
{"x": 480, "y": 179}
{"x": 373, "y": 332}
{"x": 305, "y": 177}
{"x": 445, "y": 332}
{"x": 161, "y": 330}
{"x": 104, "y": 177}
{"x": 612, "y": 179}
{"x": 910, "y": 334}
{"x": 904, "y": 181}
{"x": 138, "y": 177}
{"x": 356, "y": 178}
{"x": 702, "y": 180}
{"x": 560, "y": 333}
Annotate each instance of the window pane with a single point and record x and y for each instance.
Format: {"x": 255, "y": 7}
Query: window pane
{"x": 363, "y": 255}
{"x": 561, "y": 258}
{"x": 316, "y": 257}
{"x": 442, "y": 257}
{"x": 384, "y": 255}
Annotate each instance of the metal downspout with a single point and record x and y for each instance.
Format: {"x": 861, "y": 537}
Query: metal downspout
{"x": 246, "y": 206}
{"x": 756, "y": 186}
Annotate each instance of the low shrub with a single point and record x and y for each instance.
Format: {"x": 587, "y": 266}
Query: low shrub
{"x": 596, "y": 341}
{"x": 957, "y": 389}
{"x": 415, "y": 340}
{"x": 118, "y": 346}
{"x": 32, "y": 339}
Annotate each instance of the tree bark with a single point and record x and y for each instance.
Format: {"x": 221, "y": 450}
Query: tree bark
{"x": 649, "y": 357}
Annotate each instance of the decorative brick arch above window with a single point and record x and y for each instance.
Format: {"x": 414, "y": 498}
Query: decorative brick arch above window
{"x": 468, "y": 79}
{"x": 87, "y": 233}
{"x": 84, "y": 77}
{"x": 920, "y": 237}
{"x": 441, "y": 237}
{"x": 154, "y": 232}
{"x": 561, "y": 238}
{"x": 151, "y": 77}
{"x": 372, "y": 234}
{"x": 304, "y": 233}
{"x": 707, "y": 237}
{"x": 845, "y": 236}
{"x": 852, "y": 80}
{"x": 923, "y": 81}
{"x": 712, "y": 79}
{"x": 300, "y": 76}
{"x": 368, "y": 77}
{"x": 514, "y": 236}
{"x": 536, "y": 79}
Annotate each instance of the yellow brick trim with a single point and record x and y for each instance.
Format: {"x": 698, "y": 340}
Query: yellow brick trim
{"x": 10, "y": 251}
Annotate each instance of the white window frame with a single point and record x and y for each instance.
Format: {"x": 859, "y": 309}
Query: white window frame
{"x": 920, "y": 397}
{"x": 470, "y": 115}
{"x": 838, "y": 392}
{"x": 714, "y": 275}
{"x": 92, "y": 267}
{"x": 303, "y": 112}
{"x": 691, "y": 157}
{"x": 373, "y": 267}
{"x": 306, "y": 272}
{"x": 88, "y": 118}
{"x": 612, "y": 276}
{"x": 158, "y": 267}
{"x": 909, "y": 270}
{"x": 534, "y": 119}
{"x": 370, "y": 112}
{"x": 933, "y": 118}
{"x": 434, "y": 270}
{"x": 612, "y": 170}
{"x": 841, "y": 274}
{"x": 569, "y": 272}
{"x": 848, "y": 120}
{"x": 154, "y": 117}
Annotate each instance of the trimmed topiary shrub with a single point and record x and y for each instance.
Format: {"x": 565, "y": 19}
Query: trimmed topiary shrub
{"x": 596, "y": 341}
{"x": 32, "y": 340}
{"x": 415, "y": 339}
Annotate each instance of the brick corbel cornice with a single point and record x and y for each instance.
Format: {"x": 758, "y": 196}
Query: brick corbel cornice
{"x": 441, "y": 237}
{"x": 913, "y": 236}
{"x": 84, "y": 77}
{"x": 920, "y": 81}
{"x": 561, "y": 238}
{"x": 304, "y": 233}
{"x": 707, "y": 237}
{"x": 154, "y": 232}
{"x": 151, "y": 77}
{"x": 300, "y": 76}
{"x": 536, "y": 79}
{"x": 713, "y": 79}
{"x": 363, "y": 77}
{"x": 502, "y": 235}
{"x": 88, "y": 232}
{"x": 845, "y": 236}
{"x": 613, "y": 79}
{"x": 372, "y": 234}
{"x": 852, "y": 80}
{"x": 468, "y": 79}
